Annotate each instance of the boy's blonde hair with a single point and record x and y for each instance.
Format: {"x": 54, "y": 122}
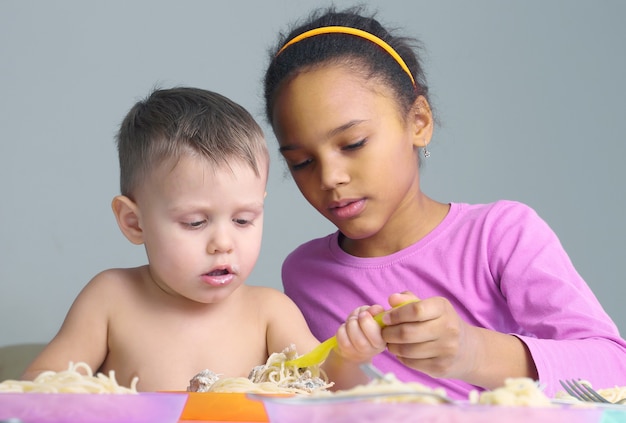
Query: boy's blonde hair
{"x": 170, "y": 123}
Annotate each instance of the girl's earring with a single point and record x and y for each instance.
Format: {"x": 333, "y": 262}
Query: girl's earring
{"x": 426, "y": 152}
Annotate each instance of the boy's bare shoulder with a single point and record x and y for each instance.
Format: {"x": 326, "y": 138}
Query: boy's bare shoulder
{"x": 122, "y": 273}
{"x": 269, "y": 302}
{"x": 114, "y": 280}
{"x": 266, "y": 293}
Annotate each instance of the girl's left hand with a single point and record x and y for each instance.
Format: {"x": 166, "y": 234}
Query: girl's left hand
{"x": 429, "y": 336}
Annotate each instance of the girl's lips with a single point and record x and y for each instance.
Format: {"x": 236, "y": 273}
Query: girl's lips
{"x": 347, "y": 209}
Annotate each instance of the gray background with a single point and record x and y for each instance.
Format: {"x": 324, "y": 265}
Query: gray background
{"x": 529, "y": 94}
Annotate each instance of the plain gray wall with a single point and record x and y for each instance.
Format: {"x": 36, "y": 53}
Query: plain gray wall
{"x": 529, "y": 94}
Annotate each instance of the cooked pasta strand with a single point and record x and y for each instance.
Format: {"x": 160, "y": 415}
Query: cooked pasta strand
{"x": 71, "y": 381}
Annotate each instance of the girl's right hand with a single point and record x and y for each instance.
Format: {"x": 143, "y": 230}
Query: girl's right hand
{"x": 360, "y": 337}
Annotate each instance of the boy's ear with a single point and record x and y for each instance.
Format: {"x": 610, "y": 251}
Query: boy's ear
{"x": 421, "y": 121}
{"x": 127, "y": 215}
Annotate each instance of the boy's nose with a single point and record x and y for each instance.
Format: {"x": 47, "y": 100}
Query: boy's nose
{"x": 220, "y": 242}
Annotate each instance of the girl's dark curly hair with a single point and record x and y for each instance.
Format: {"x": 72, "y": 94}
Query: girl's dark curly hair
{"x": 359, "y": 54}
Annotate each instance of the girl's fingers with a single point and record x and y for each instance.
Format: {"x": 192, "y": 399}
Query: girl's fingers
{"x": 371, "y": 330}
{"x": 373, "y": 310}
{"x": 364, "y": 332}
{"x": 414, "y": 310}
{"x": 410, "y": 333}
{"x": 354, "y": 334}
{"x": 421, "y": 322}
{"x": 357, "y": 311}
{"x": 359, "y": 338}
{"x": 401, "y": 297}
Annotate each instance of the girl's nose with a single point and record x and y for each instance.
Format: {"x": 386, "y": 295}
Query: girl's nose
{"x": 332, "y": 175}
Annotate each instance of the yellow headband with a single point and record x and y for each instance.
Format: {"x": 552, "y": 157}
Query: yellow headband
{"x": 351, "y": 31}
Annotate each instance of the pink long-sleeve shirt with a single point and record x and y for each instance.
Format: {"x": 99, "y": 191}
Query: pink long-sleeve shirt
{"x": 501, "y": 267}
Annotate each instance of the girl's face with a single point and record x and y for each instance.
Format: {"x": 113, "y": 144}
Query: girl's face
{"x": 350, "y": 151}
{"x": 201, "y": 226}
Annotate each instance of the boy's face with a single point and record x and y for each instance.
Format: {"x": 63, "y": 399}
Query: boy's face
{"x": 202, "y": 226}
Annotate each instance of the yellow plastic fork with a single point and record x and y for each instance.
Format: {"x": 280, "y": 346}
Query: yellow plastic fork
{"x": 320, "y": 353}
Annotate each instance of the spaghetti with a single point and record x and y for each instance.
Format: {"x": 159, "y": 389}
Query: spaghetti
{"x": 71, "y": 381}
{"x": 274, "y": 377}
{"x": 515, "y": 392}
{"x": 391, "y": 389}
{"x": 271, "y": 377}
{"x": 614, "y": 394}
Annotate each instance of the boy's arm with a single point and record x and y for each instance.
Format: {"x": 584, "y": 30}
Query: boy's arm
{"x": 81, "y": 338}
{"x": 342, "y": 364}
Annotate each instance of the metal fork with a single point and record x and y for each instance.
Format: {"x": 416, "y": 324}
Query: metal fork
{"x": 374, "y": 373}
{"x": 584, "y": 392}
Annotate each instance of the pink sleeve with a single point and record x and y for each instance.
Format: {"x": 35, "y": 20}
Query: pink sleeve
{"x": 567, "y": 331}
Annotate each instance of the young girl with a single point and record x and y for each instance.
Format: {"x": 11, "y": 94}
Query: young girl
{"x": 498, "y": 295}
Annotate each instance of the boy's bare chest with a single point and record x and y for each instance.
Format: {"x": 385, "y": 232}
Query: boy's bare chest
{"x": 167, "y": 350}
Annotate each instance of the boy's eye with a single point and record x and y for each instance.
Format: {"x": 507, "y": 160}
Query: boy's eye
{"x": 243, "y": 222}
{"x": 197, "y": 224}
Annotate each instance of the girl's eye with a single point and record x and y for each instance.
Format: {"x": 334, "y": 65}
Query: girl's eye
{"x": 242, "y": 222}
{"x": 301, "y": 165}
{"x": 349, "y": 147}
{"x": 355, "y": 146}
